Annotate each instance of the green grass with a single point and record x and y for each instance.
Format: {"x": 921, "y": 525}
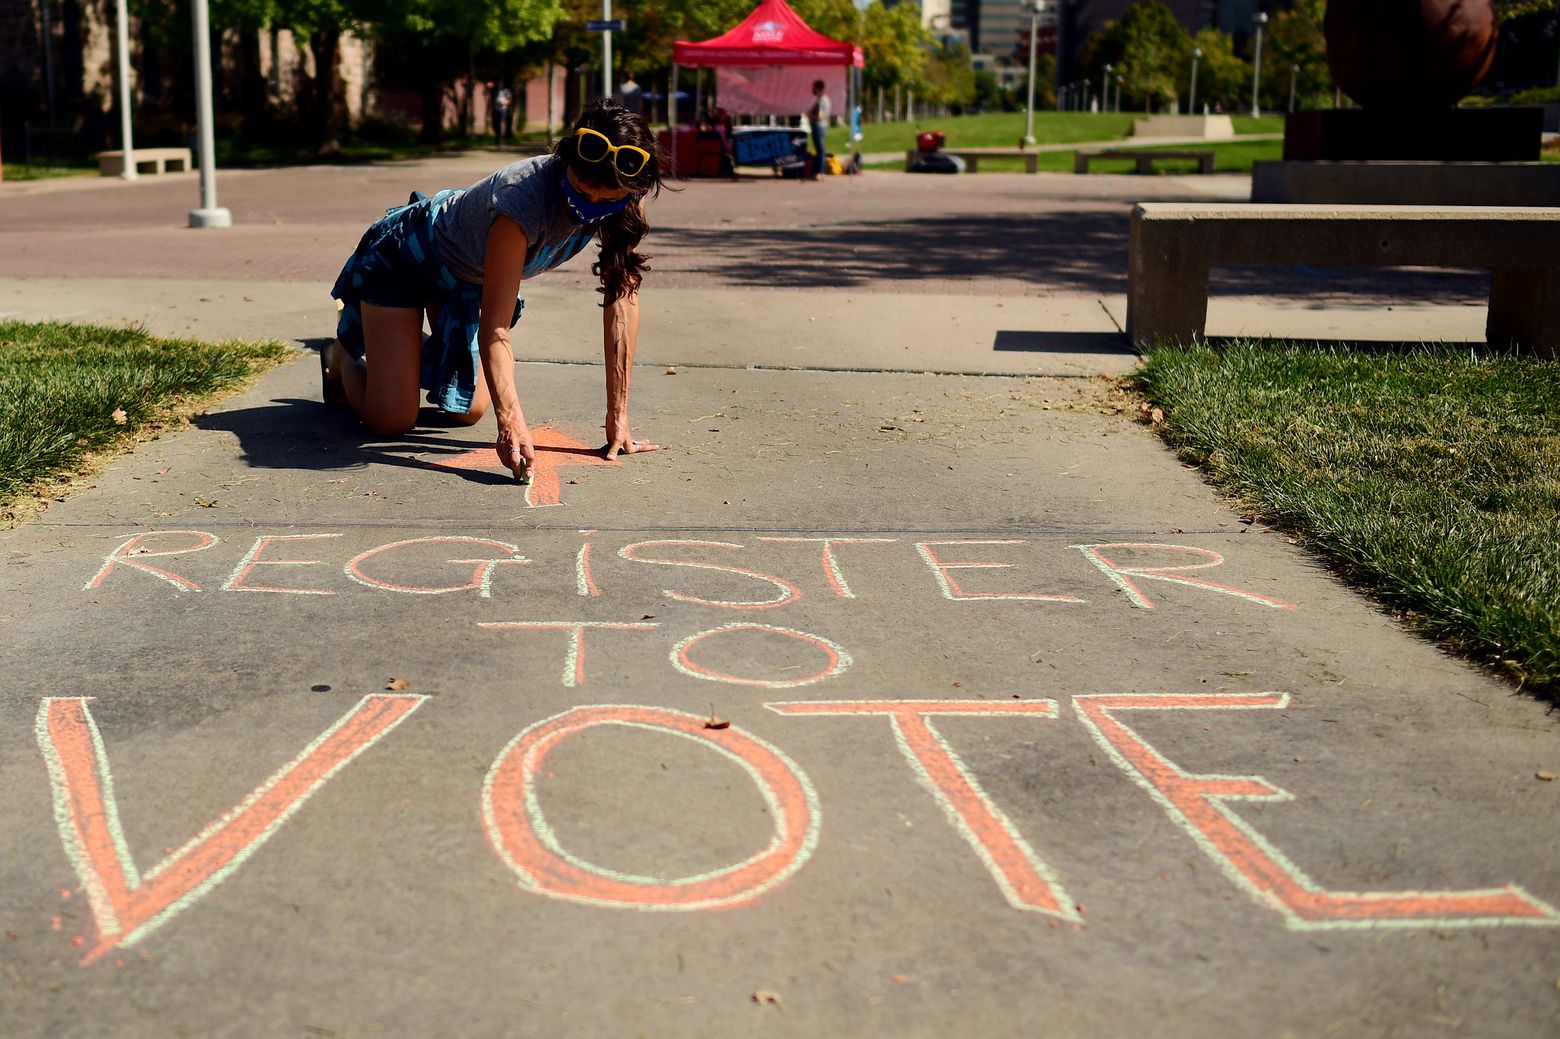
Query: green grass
{"x": 60, "y": 386}
{"x": 1432, "y": 477}
{"x": 1006, "y": 129}
{"x": 15, "y": 171}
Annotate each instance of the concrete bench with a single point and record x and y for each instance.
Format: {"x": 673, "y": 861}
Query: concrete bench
{"x": 147, "y": 160}
{"x": 1174, "y": 243}
{"x": 972, "y": 157}
{"x": 1145, "y": 158}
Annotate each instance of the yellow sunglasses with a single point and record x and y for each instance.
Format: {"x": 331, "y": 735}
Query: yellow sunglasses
{"x": 594, "y": 146}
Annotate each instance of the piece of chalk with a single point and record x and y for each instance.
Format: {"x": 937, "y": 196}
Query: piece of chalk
{"x": 523, "y": 477}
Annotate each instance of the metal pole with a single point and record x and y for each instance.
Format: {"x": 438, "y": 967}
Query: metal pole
{"x": 1034, "y": 32}
{"x": 1294, "y": 73}
{"x": 209, "y": 214}
{"x": 48, "y": 60}
{"x": 1256, "y": 65}
{"x": 1191, "y": 101}
{"x": 1105, "y": 90}
{"x": 122, "y": 46}
{"x": 606, "y": 50}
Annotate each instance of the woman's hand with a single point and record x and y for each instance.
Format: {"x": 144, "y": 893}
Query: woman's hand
{"x": 619, "y": 440}
{"x": 514, "y": 447}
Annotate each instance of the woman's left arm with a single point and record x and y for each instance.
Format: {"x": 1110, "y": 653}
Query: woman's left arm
{"x": 620, "y": 334}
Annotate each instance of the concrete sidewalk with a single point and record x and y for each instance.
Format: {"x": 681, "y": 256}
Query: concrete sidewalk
{"x": 877, "y": 703}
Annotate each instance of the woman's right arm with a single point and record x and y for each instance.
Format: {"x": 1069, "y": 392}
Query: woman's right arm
{"x": 502, "y": 267}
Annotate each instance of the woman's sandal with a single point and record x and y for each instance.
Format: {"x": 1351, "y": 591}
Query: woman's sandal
{"x": 331, "y": 390}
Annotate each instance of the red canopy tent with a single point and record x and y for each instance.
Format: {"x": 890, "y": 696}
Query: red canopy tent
{"x": 772, "y": 35}
{"x": 766, "y": 64}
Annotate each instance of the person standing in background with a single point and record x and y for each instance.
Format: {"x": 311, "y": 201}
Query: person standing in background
{"x": 502, "y": 100}
{"x": 629, "y": 94}
{"x": 818, "y": 117}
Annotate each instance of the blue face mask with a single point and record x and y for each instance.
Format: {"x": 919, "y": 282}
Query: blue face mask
{"x": 586, "y": 211}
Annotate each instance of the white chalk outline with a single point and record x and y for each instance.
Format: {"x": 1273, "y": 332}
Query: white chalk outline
{"x": 978, "y": 709}
{"x": 182, "y": 583}
{"x": 842, "y": 657}
{"x": 1218, "y": 802}
{"x": 252, "y": 559}
{"x": 951, "y": 590}
{"x": 831, "y": 568}
{"x": 544, "y": 833}
{"x": 1120, "y": 575}
{"x": 789, "y": 593}
{"x": 103, "y": 911}
{"x": 574, "y": 656}
{"x": 481, "y": 576}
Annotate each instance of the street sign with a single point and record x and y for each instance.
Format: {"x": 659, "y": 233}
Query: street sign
{"x": 605, "y": 25}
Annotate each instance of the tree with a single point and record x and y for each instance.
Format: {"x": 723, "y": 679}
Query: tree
{"x": 949, "y": 79}
{"x": 1149, "y": 43}
{"x": 894, "y": 45}
{"x": 1223, "y": 77}
{"x": 1297, "y": 40}
{"x": 433, "y": 44}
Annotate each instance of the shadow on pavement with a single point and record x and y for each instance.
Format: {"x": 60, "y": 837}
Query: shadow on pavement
{"x": 1066, "y": 252}
{"x": 291, "y": 433}
{"x": 1111, "y": 343}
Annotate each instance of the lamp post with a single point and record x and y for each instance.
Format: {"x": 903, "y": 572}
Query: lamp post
{"x": 1105, "y": 90}
{"x": 1256, "y": 64}
{"x": 209, "y": 214}
{"x": 1034, "y": 7}
{"x": 1294, "y": 74}
{"x": 1191, "y": 99}
{"x": 122, "y": 53}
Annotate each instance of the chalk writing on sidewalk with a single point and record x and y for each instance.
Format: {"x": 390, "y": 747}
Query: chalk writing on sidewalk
{"x": 1024, "y": 879}
{"x": 1198, "y": 804}
{"x": 554, "y": 451}
{"x": 127, "y": 905}
{"x": 528, "y": 845}
{"x": 902, "y": 571}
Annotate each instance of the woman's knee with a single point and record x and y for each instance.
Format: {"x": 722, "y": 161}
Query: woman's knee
{"x": 472, "y": 417}
{"x": 389, "y": 420}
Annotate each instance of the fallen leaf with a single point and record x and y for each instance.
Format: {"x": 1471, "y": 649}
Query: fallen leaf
{"x": 1546, "y": 776}
{"x": 764, "y": 996}
{"x": 165, "y": 470}
{"x": 120, "y": 418}
{"x": 671, "y": 371}
{"x": 203, "y": 503}
{"x": 647, "y": 616}
{"x": 398, "y": 683}
{"x": 1157, "y": 415}
{"x": 713, "y": 722}
{"x": 899, "y": 979}
{"x": 574, "y": 479}
{"x": 1248, "y": 518}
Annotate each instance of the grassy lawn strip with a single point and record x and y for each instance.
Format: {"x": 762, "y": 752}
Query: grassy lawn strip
{"x": 1432, "y": 476}
{"x": 1005, "y": 129}
{"x": 61, "y": 386}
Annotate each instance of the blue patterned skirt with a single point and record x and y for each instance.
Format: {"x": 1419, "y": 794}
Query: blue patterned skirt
{"x": 396, "y": 265}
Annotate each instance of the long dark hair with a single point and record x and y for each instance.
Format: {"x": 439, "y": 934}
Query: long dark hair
{"x": 620, "y": 265}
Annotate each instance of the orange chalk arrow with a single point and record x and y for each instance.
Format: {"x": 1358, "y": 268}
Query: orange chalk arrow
{"x": 554, "y": 450}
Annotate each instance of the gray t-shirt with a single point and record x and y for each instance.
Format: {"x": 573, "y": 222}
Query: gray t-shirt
{"x": 819, "y": 112}
{"x": 529, "y": 192}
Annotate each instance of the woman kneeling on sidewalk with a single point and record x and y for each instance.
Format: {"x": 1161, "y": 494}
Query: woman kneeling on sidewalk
{"x": 461, "y": 255}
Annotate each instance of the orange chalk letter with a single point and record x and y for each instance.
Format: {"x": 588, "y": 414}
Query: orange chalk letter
{"x": 1200, "y": 804}
{"x": 1123, "y": 575}
{"x": 950, "y": 587}
{"x": 787, "y": 592}
{"x": 1024, "y": 879}
{"x": 526, "y": 843}
{"x": 131, "y": 554}
{"x": 481, "y": 573}
{"x": 128, "y": 905}
{"x": 574, "y": 658}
